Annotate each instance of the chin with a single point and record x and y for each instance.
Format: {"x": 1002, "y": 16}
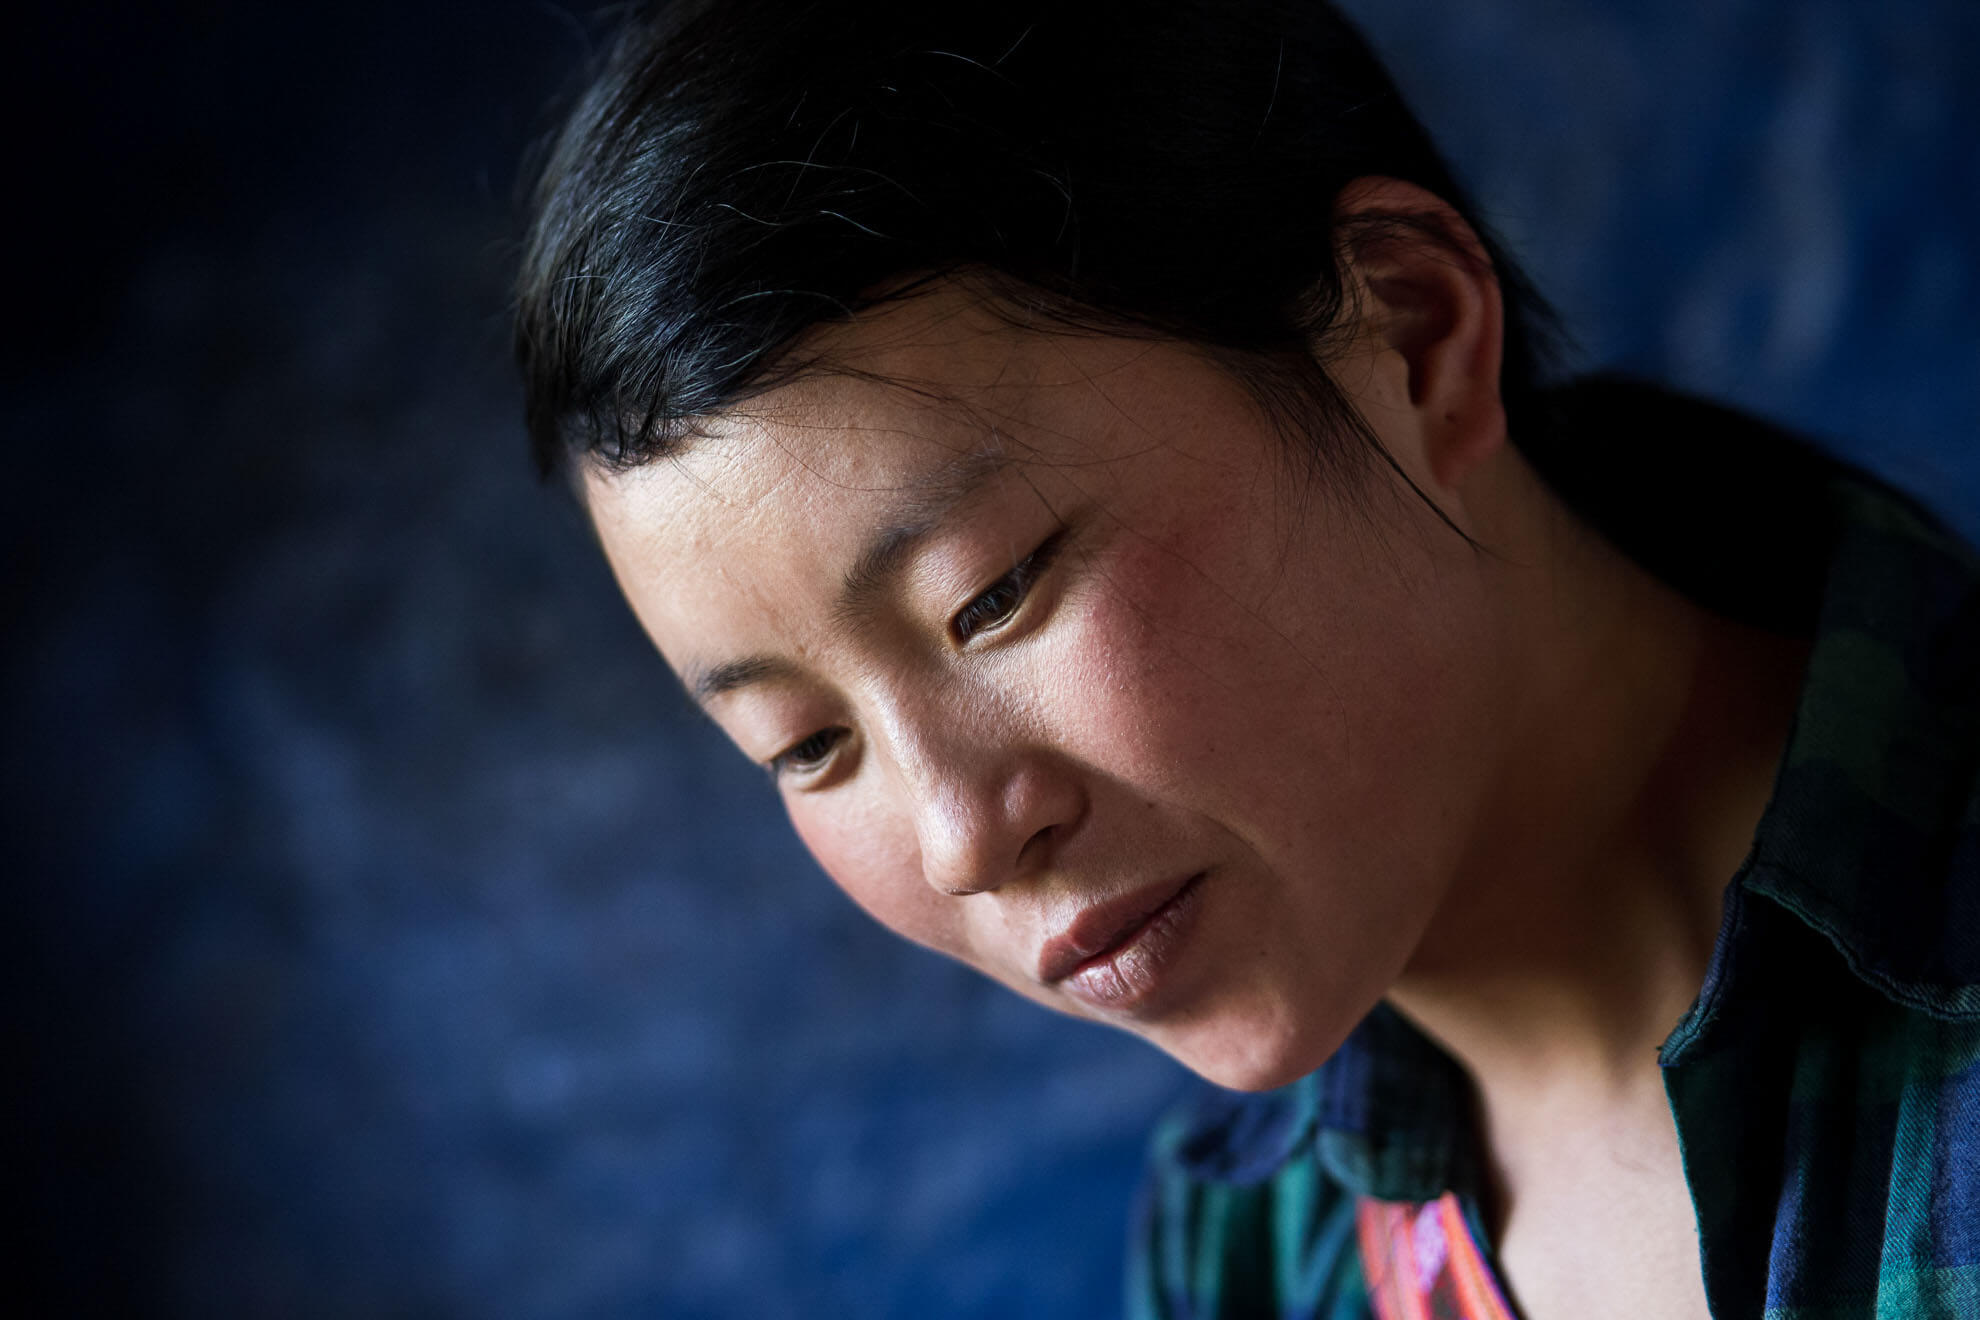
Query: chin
{"x": 1247, "y": 1058}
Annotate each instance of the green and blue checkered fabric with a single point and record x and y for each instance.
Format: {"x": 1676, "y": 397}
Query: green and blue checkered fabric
{"x": 1826, "y": 1083}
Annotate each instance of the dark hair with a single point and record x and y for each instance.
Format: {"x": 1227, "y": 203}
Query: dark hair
{"x": 739, "y": 172}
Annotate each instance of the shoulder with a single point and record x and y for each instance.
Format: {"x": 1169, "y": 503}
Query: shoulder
{"x": 1873, "y": 838}
{"x": 1873, "y": 835}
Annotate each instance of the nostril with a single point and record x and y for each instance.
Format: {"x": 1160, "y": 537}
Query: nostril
{"x": 1037, "y": 849}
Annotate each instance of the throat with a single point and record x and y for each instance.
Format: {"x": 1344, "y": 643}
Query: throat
{"x": 1593, "y": 1218}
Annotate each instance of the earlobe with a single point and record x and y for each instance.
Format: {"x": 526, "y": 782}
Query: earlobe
{"x": 1423, "y": 287}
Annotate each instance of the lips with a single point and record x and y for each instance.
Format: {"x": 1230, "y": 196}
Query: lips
{"x": 1111, "y": 955}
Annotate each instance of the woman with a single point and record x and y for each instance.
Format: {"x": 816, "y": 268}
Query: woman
{"x": 1094, "y": 458}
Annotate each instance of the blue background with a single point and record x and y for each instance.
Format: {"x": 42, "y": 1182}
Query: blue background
{"x": 388, "y": 938}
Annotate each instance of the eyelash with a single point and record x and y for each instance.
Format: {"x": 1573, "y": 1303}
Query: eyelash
{"x": 997, "y": 604}
{"x": 807, "y": 753}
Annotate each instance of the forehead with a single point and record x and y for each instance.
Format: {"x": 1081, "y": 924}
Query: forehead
{"x": 934, "y": 379}
{"x": 910, "y": 397}
{"x": 908, "y": 409}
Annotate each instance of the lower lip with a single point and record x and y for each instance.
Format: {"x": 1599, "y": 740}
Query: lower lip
{"x": 1128, "y": 977}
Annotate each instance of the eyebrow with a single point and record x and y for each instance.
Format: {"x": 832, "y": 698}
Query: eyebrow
{"x": 924, "y": 504}
{"x": 705, "y": 684}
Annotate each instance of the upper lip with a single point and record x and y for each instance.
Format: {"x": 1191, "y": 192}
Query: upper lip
{"x": 1103, "y": 928}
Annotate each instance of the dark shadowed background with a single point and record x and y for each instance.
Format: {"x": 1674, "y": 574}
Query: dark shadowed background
{"x": 387, "y": 939}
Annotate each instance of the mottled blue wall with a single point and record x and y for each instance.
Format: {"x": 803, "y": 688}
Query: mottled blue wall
{"x": 388, "y": 939}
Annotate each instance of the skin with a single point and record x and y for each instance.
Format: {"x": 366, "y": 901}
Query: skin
{"x": 1500, "y": 782}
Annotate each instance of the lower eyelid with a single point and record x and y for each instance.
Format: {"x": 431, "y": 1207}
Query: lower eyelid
{"x": 1021, "y": 578}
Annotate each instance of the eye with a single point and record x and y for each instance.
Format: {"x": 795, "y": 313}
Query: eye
{"x": 808, "y": 755}
{"x": 1000, "y": 601}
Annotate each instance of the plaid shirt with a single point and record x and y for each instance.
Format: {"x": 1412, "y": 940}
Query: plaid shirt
{"x": 1826, "y": 1083}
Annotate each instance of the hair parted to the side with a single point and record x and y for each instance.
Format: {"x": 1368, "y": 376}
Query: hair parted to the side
{"x": 740, "y": 172}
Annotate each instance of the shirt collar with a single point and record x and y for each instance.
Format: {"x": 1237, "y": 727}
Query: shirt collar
{"x": 1872, "y": 837}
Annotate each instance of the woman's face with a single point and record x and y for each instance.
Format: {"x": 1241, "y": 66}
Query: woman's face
{"x": 1064, "y": 668}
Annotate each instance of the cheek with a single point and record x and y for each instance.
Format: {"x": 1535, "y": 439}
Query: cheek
{"x": 1291, "y": 714}
{"x": 876, "y": 861}
{"x": 1175, "y": 671}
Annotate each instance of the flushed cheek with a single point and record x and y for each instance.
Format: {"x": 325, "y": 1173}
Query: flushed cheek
{"x": 1175, "y": 675}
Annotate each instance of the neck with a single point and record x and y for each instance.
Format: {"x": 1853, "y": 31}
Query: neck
{"x": 1575, "y": 936}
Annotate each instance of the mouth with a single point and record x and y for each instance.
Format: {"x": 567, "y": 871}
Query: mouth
{"x": 1113, "y": 956}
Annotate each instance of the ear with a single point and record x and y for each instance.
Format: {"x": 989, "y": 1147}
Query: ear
{"x": 1428, "y": 293}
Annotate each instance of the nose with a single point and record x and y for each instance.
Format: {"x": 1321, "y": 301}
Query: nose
{"x": 988, "y": 809}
